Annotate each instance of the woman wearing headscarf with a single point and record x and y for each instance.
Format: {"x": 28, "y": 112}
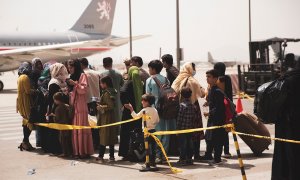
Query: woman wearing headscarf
{"x": 24, "y": 103}
{"x": 131, "y": 92}
{"x": 78, "y": 84}
{"x": 37, "y": 68}
{"x": 186, "y": 79}
{"x": 57, "y": 83}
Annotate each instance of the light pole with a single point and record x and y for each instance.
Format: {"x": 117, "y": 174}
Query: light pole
{"x": 178, "y": 50}
{"x": 130, "y": 31}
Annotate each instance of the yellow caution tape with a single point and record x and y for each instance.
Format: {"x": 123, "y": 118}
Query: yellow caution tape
{"x": 244, "y": 95}
{"x": 190, "y": 130}
{"x": 174, "y": 170}
{"x": 267, "y": 137}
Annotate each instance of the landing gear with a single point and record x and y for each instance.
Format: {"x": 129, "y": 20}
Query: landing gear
{"x": 1, "y": 85}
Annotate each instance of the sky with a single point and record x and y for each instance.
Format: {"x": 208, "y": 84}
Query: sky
{"x": 216, "y": 26}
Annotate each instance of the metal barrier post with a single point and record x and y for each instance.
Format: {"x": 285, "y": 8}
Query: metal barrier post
{"x": 146, "y": 137}
{"x": 238, "y": 153}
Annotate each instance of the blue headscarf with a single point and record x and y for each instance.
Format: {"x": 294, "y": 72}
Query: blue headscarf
{"x": 25, "y": 68}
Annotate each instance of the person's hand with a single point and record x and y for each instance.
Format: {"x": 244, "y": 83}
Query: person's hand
{"x": 206, "y": 114}
{"x": 128, "y": 106}
{"x": 71, "y": 82}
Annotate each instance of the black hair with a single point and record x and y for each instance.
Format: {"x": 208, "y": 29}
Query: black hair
{"x": 193, "y": 66}
{"x": 138, "y": 60}
{"x": 77, "y": 69}
{"x": 221, "y": 68}
{"x": 107, "y": 62}
{"x": 59, "y": 96}
{"x": 213, "y": 72}
{"x": 167, "y": 58}
{"x": 149, "y": 98}
{"x": 186, "y": 92}
{"x": 156, "y": 64}
{"x": 84, "y": 62}
{"x": 290, "y": 60}
{"x": 108, "y": 81}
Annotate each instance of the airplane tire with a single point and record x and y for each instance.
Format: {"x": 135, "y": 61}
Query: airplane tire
{"x": 1, "y": 85}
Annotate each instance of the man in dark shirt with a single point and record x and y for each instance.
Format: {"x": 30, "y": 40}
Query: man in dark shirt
{"x": 216, "y": 117}
{"x": 172, "y": 72}
{"x": 227, "y": 89}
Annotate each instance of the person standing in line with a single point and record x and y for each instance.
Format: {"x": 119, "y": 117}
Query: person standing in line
{"x": 93, "y": 93}
{"x": 148, "y": 101}
{"x": 186, "y": 116}
{"x": 186, "y": 79}
{"x": 57, "y": 83}
{"x": 82, "y": 138}
{"x": 62, "y": 116}
{"x": 24, "y": 103}
{"x": 118, "y": 82}
{"x": 127, "y": 63}
{"x": 37, "y": 69}
{"x": 138, "y": 62}
{"x": 286, "y": 157}
{"x": 131, "y": 93}
{"x": 216, "y": 117}
{"x": 106, "y": 115}
{"x": 172, "y": 71}
{"x": 155, "y": 67}
{"x": 224, "y": 83}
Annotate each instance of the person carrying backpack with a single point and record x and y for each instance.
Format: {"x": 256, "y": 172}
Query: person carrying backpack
{"x": 152, "y": 87}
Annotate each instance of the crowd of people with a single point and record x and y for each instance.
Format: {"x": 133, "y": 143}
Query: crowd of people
{"x": 66, "y": 93}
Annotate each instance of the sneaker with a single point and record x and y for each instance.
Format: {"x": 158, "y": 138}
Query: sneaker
{"x": 214, "y": 163}
{"x": 227, "y": 155}
{"x": 158, "y": 161}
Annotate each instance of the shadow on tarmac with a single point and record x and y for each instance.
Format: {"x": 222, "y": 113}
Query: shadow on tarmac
{"x": 9, "y": 91}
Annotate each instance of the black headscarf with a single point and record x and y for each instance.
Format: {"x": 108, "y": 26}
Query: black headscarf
{"x": 25, "y": 68}
{"x": 77, "y": 69}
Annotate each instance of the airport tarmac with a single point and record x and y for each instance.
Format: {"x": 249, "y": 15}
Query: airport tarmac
{"x": 15, "y": 164}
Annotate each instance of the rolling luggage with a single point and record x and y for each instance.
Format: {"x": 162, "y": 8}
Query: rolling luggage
{"x": 248, "y": 123}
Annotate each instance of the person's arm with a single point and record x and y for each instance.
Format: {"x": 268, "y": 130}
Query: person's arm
{"x": 108, "y": 103}
{"x": 148, "y": 88}
{"x": 180, "y": 115}
{"x": 228, "y": 87}
{"x": 82, "y": 85}
{"x": 26, "y": 84}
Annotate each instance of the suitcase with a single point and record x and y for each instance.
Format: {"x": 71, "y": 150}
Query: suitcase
{"x": 249, "y": 124}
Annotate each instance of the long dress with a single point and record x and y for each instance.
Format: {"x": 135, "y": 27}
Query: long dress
{"x": 82, "y": 138}
{"x": 23, "y": 99}
{"x": 108, "y": 135}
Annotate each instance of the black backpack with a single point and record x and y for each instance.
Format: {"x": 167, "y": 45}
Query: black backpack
{"x": 168, "y": 101}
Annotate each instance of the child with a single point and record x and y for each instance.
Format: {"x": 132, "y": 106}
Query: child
{"x": 186, "y": 120}
{"x": 216, "y": 117}
{"x": 62, "y": 116}
{"x": 105, "y": 115}
{"x": 148, "y": 101}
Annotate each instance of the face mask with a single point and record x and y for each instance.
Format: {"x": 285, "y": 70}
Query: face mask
{"x": 194, "y": 73}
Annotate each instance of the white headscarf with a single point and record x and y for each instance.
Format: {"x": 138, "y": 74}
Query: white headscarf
{"x": 187, "y": 72}
{"x": 59, "y": 74}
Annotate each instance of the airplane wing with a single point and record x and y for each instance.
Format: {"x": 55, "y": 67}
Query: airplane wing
{"x": 121, "y": 41}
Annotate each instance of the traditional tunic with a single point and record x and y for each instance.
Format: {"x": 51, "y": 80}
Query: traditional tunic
{"x": 82, "y": 139}
{"x": 23, "y": 99}
{"x": 62, "y": 116}
{"x": 108, "y": 135}
{"x": 117, "y": 83}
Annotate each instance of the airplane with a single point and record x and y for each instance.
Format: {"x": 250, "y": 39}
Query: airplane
{"x": 227, "y": 63}
{"x": 91, "y": 34}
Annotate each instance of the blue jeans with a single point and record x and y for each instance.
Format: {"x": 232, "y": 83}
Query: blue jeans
{"x": 186, "y": 146}
{"x": 164, "y": 125}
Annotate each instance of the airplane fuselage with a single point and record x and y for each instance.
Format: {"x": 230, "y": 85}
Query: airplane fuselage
{"x": 11, "y": 41}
